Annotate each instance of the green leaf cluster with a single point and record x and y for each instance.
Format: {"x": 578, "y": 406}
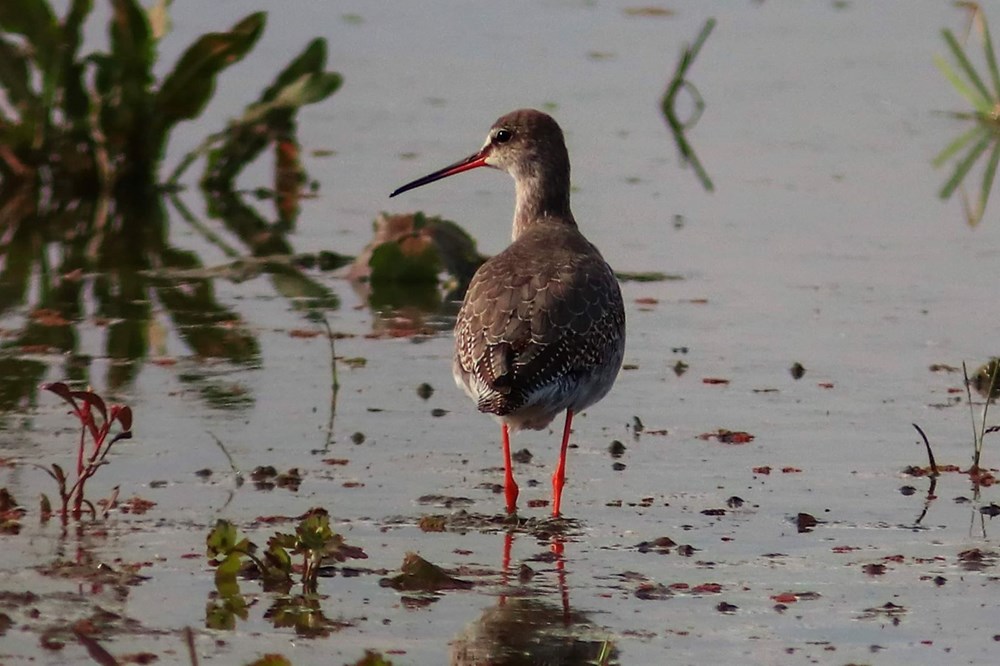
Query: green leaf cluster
{"x": 99, "y": 122}
{"x": 968, "y": 148}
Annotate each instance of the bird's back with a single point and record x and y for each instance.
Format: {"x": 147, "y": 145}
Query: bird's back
{"x": 541, "y": 329}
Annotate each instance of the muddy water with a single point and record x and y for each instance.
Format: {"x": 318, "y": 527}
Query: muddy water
{"x": 824, "y": 244}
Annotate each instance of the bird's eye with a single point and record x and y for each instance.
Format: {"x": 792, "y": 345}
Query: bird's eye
{"x": 502, "y": 136}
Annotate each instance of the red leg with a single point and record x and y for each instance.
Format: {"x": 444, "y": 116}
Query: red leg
{"x": 509, "y": 485}
{"x": 559, "y": 476}
{"x": 508, "y": 541}
{"x": 557, "y": 550}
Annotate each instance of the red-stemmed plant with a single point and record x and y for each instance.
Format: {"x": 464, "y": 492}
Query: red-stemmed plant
{"x": 96, "y": 420}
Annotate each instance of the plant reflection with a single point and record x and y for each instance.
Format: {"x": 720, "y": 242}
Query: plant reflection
{"x": 526, "y": 629}
{"x": 84, "y": 234}
{"x": 119, "y": 273}
{"x": 669, "y": 105}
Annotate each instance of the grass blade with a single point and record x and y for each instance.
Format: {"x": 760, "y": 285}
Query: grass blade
{"x": 989, "y": 175}
{"x": 960, "y": 142}
{"x": 966, "y": 66}
{"x": 979, "y": 102}
{"x": 991, "y": 59}
{"x": 930, "y": 453}
{"x": 972, "y": 413}
{"x": 965, "y": 165}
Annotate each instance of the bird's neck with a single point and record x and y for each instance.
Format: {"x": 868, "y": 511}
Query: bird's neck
{"x": 541, "y": 197}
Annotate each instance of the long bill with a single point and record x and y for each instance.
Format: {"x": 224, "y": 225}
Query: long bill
{"x": 471, "y": 162}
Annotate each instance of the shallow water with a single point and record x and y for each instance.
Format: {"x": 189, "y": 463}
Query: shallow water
{"x": 824, "y": 243}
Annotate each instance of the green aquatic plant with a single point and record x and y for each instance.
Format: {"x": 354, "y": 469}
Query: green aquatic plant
{"x": 234, "y": 556}
{"x": 416, "y": 260}
{"x": 81, "y": 123}
{"x": 983, "y": 137}
{"x": 99, "y": 122}
{"x": 84, "y": 127}
{"x": 271, "y": 120}
{"x": 96, "y": 420}
{"x": 986, "y": 382}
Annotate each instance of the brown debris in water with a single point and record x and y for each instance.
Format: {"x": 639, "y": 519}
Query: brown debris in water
{"x": 725, "y": 436}
{"x": 432, "y": 524}
{"x": 648, "y": 11}
{"x": 661, "y": 545}
{"x": 976, "y": 559}
{"x": 445, "y": 501}
{"x": 136, "y": 505}
{"x": 805, "y": 522}
{"x": 793, "y": 597}
{"x": 304, "y": 333}
{"x": 419, "y": 575}
{"x": 653, "y": 592}
{"x": 886, "y": 610}
{"x": 522, "y": 456}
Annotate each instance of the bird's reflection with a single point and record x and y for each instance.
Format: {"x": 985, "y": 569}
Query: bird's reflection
{"x": 526, "y": 628}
